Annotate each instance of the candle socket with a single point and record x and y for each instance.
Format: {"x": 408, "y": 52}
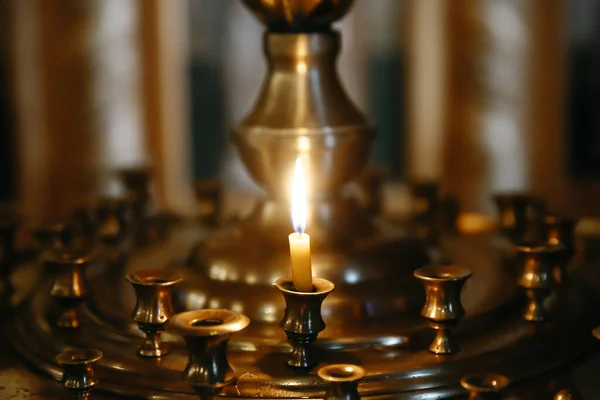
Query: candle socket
{"x": 443, "y": 308}
{"x": 560, "y": 231}
{"x": 537, "y": 277}
{"x": 79, "y": 376}
{"x": 68, "y": 284}
{"x": 154, "y": 307}
{"x": 484, "y": 386}
{"x": 343, "y": 381}
{"x": 206, "y": 333}
{"x": 302, "y": 320}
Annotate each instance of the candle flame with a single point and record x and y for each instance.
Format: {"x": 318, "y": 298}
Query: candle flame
{"x": 299, "y": 197}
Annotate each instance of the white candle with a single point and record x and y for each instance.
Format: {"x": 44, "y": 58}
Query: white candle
{"x": 300, "y": 241}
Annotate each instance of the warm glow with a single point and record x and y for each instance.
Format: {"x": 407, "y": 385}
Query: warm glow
{"x": 299, "y": 197}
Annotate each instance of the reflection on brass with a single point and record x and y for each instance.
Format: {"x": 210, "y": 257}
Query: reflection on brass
{"x": 206, "y": 333}
{"x": 484, "y": 386}
{"x": 513, "y": 213}
{"x": 302, "y": 320}
{"x": 68, "y": 284}
{"x": 209, "y": 197}
{"x": 537, "y": 266}
{"x": 78, "y": 371}
{"x": 113, "y": 215}
{"x": 298, "y": 15}
{"x": 560, "y": 231}
{"x": 343, "y": 381}
{"x": 564, "y": 394}
{"x": 154, "y": 307}
{"x": 443, "y": 307}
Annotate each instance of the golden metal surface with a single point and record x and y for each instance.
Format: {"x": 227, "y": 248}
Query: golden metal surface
{"x": 68, "y": 284}
{"x": 537, "y": 277}
{"x": 79, "y": 376}
{"x": 154, "y": 307}
{"x": 206, "y": 333}
{"x": 302, "y": 320}
{"x": 343, "y": 381}
{"x": 443, "y": 306}
{"x": 484, "y": 386}
{"x": 298, "y": 15}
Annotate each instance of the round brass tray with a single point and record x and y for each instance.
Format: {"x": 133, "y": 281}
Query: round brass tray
{"x": 392, "y": 347}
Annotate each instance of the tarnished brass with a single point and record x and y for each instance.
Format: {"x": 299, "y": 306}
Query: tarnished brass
{"x": 68, "y": 284}
{"x": 443, "y": 306}
{"x": 79, "y": 375}
{"x": 343, "y": 381}
{"x": 154, "y": 307}
{"x": 537, "y": 265}
{"x": 302, "y": 320}
{"x": 298, "y": 15}
{"x": 484, "y": 386}
{"x": 206, "y": 333}
{"x": 209, "y": 196}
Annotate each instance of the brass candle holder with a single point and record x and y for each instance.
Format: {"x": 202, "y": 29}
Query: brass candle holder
{"x": 79, "y": 376}
{"x": 302, "y": 319}
{"x": 68, "y": 284}
{"x": 343, "y": 381}
{"x": 154, "y": 307}
{"x": 207, "y": 333}
{"x": 443, "y": 307}
{"x": 484, "y": 386}
{"x": 513, "y": 211}
{"x": 560, "y": 231}
{"x": 536, "y": 277}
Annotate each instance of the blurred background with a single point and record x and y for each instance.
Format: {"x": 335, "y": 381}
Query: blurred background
{"x": 482, "y": 95}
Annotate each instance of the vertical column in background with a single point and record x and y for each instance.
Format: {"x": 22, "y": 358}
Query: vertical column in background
{"x": 426, "y": 89}
{"x": 207, "y": 25}
{"x": 506, "y": 87}
{"x": 57, "y": 139}
{"x": 116, "y": 88}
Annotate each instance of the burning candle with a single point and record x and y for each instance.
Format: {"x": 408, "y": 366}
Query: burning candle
{"x": 300, "y": 241}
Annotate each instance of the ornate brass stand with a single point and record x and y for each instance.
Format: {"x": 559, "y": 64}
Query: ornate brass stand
{"x": 372, "y": 317}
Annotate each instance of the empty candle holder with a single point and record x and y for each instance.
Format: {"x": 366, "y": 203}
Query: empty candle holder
{"x": 154, "y": 307}
{"x": 560, "y": 231}
{"x": 536, "y": 278}
{"x": 343, "y": 381}
{"x": 484, "y": 386}
{"x": 302, "y": 319}
{"x": 206, "y": 333}
{"x": 513, "y": 211}
{"x": 68, "y": 284}
{"x": 79, "y": 376}
{"x": 443, "y": 307}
